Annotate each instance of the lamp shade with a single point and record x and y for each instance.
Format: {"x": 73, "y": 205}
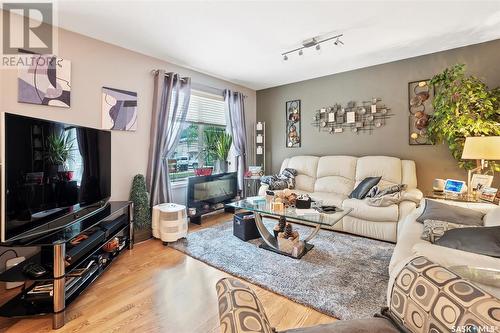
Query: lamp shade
{"x": 481, "y": 148}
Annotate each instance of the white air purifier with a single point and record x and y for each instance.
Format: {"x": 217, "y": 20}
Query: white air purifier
{"x": 170, "y": 222}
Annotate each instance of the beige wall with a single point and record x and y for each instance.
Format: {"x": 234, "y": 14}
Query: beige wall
{"x": 96, "y": 64}
{"x": 387, "y": 81}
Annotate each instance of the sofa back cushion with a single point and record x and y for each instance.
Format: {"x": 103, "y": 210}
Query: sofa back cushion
{"x": 389, "y": 168}
{"x": 340, "y": 174}
{"x": 306, "y": 167}
{"x": 335, "y": 174}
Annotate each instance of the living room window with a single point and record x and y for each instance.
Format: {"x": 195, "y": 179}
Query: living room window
{"x": 206, "y": 116}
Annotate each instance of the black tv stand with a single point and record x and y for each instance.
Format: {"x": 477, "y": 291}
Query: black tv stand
{"x": 71, "y": 266}
{"x": 196, "y": 219}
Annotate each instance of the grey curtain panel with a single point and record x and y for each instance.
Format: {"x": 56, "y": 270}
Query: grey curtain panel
{"x": 235, "y": 108}
{"x": 170, "y": 105}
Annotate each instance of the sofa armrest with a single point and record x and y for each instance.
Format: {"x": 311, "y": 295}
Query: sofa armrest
{"x": 448, "y": 257}
{"x": 239, "y": 308}
{"x": 413, "y": 194}
{"x": 426, "y": 295}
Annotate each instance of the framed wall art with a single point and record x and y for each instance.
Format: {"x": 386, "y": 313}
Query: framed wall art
{"x": 47, "y": 81}
{"x": 420, "y": 95}
{"x": 293, "y": 120}
{"x": 119, "y": 109}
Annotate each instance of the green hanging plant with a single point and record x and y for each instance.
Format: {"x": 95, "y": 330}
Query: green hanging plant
{"x": 140, "y": 197}
{"x": 463, "y": 106}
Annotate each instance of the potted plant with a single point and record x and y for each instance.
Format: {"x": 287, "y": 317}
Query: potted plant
{"x": 463, "y": 106}
{"x": 58, "y": 154}
{"x": 217, "y": 145}
{"x": 222, "y": 148}
{"x": 142, "y": 211}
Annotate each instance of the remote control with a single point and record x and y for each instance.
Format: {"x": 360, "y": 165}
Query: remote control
{"x": 34, "y": 270}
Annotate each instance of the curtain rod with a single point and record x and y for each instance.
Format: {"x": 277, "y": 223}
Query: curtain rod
{"x": 154, "y": 71}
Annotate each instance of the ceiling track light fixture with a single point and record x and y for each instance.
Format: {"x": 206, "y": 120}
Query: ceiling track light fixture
{"x": 315, "y": 41}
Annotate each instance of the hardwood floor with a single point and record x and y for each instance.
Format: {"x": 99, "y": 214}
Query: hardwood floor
{"x": 154, "y": 288}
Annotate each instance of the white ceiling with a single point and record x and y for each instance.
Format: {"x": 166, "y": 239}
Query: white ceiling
{"x": 241, "y": 41}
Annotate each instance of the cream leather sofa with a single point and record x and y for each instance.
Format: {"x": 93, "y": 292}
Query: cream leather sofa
{"x": 411, "y": 245}
{"x": 332, "y": 178}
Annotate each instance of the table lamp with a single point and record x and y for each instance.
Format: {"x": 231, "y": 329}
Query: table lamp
{"x": 483, "y": 149}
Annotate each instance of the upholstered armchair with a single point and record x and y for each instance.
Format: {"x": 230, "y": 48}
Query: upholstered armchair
{"x": 424, "y": 297}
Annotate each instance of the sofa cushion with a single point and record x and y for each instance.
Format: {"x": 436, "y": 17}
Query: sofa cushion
{"x": 480, "y": 240}
{"x": 306, "y": 167}
{"x": 328, "y": 199}
{"x": 389, "y": 168}
{"x": 335, "y": 174}
{"x": 492, "y": 217}
{"x": 373, "y": 325}
{"x": 362, "y": 210}
{"x": 362, "y": 189}
{"x": 435, "y": 210}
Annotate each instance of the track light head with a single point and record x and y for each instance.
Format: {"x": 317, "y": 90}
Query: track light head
{"x": 338, "y": 42}
{"x": 285, "y": 57}
{"x": 301, "y": 52}
{"x": 318, "y": 47}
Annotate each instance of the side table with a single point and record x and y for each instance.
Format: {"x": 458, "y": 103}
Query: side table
{"x": 462, "y": 201}
{"x": 251, "y": 186}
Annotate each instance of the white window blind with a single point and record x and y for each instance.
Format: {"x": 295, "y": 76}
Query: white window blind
{"x": 206, "y": 109}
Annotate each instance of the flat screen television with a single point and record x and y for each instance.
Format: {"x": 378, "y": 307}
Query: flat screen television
{"x": 213, "y": 189}
{"x": 52, "y": 174}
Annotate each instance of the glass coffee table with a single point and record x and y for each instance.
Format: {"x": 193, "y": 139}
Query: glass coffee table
{"x": 262, "y": 206}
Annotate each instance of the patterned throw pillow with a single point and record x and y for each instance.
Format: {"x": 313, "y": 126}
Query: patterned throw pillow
{"x": 435, "y": 229}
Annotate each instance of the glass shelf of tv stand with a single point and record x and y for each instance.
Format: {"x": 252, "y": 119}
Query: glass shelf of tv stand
{"x": 66, "y": 233}
{"x": 15, "y": 273}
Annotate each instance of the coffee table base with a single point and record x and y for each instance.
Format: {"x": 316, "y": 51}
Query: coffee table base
{"x": 271, "y": 243}
{"x": 307, "y": 248}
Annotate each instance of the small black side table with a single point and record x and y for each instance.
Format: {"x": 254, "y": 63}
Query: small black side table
{"x": 251, "y": 186}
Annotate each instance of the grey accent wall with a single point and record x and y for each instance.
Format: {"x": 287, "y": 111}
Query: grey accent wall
{"x": 387, "y": 81}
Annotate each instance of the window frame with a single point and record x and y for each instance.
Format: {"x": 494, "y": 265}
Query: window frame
{"x": 181, "y": 181}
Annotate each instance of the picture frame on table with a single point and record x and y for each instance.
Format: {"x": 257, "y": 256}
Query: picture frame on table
{"x": 479, "y": 181}
{"x": 488, "y": 194}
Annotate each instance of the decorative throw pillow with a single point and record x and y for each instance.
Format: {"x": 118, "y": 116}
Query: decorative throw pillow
{"x": 435, "y": 210}
{"x": 376, "y": 191}
{"x": 435, "y": 229}
{"x": 480, "y": 240}
{"x": 286, "y": 179}
{"x": 364, "y": 187}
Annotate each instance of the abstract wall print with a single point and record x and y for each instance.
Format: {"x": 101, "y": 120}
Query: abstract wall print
{"x": 46, "y": 81}
{"x": 420, "y": 95}
{"x": 293, "y": 137}
{"x": 119, "y": 109}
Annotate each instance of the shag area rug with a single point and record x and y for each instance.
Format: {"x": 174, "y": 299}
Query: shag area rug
{"x": 343, "y": 276}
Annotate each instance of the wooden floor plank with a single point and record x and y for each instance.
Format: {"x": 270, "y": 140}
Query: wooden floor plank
{"x": 154, "y": 288}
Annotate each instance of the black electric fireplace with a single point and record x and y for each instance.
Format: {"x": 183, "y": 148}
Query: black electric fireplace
{"x": 209, "y": 193}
